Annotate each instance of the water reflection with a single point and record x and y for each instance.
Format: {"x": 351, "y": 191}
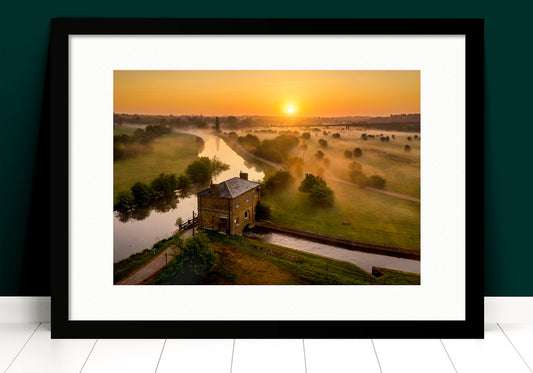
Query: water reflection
{"x": 141, "y": 228}
{"x": 361, "y": 259}
{"x": 140, "y": 213}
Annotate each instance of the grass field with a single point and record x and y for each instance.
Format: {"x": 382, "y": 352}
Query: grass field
{"x": 368, "y": 216}
{"x": 372, "y": 217}
{"x": 171, "y": 153}
{"x": 242, "y": 261}
{"x": 387, "y": 159}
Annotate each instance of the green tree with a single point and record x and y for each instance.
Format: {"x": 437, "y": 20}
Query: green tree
{"x": 377, "y": 182}
{"x": 306, "y": 135}
{"x": 364, "y": 136}
{"x": 164, "y": 185}
{"x": 262, "y": 211}
{"x": 357, "y": 152}
{"x": 279, "y": 180}
{"x": 359, "y": 178}
{"x": 336, "y": 135}
{"x": 407, "y": 148}
{"x": 347, "y": 154}
{"x": 323, "y": 143}
{"x": 195, "y": 258}
{"x": 309, "y": 182}
{"x": 124, "y": 201}
{"x": 141, "y": 192}
{"x": 355, "y": 166}
{"x": 319, "y": 154}
{"x": 322, "y": 196}
{"x": 200, "y": 171}
{"x": 184, "y": 181}
{"x": 217, "y": 124}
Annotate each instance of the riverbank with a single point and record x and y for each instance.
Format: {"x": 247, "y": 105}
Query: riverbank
{"x": 243, "y": 261}
{"x": 127, "y": 267}
{"x": 340, "y": 242}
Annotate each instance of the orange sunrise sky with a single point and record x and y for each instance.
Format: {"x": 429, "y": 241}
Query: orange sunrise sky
{"x": 326, "y": 93}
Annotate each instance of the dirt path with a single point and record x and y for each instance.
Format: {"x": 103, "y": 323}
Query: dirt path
{"x": 280, "y": 166}
{"x": 387, "y": 192}
{"x": 152, "y": 267}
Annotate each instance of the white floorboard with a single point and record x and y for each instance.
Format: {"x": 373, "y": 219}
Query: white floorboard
{"x": 268, "y": 356}
{"x": 196, "y": 356}
{"x": 340, "y": 356}
{"x": 124, "y": 355}
{"x": 42, "y": 354}
{"x": 494, "y": 354}
{"x": 413, "y": 356}
{"x": 12, "y": 339}
{"x": 521, "y": 336}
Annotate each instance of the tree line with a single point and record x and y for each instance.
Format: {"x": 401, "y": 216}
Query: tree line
{"x": 165, "y": 185}
{"x": 126, "y": 146}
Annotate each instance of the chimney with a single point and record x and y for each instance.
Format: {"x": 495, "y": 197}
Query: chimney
{"x": 243, "y": 175}
{"x": 215, "y": 190}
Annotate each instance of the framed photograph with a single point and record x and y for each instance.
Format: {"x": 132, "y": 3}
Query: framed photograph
{"x": 267, "y": 178}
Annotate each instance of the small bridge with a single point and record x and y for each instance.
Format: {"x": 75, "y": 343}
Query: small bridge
{"x": 191, "y": 223}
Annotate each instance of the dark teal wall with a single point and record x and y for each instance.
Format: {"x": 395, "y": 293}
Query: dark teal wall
{"x": 24, "y": 32}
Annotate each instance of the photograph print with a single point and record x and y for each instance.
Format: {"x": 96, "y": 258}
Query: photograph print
{"x": 266, "y": 177}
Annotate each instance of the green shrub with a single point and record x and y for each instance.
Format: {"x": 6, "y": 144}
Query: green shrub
{"x": 377, "y": 182}
{"x": 347, "y": 154}
{"x": 357, "y": 152}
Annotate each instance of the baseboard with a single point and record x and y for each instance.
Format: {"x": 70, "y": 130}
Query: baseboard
{"x": 37, "y": 309}
{"x": 24, "y": 309}
{"x": 509, "y": 309}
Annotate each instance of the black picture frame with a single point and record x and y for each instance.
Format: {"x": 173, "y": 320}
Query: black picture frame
{"x": 63, "y": 327}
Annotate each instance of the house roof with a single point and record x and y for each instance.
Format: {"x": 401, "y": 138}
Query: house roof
{"x": 232, "y": 188}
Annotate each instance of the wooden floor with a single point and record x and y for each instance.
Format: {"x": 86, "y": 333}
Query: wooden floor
{"x": 28, "y": 348}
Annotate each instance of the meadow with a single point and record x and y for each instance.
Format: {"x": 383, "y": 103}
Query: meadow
{"x": 358, "y": 213}
{"x": 170, "y": 153}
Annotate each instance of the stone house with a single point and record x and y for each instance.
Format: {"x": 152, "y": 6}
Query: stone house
{"x": 229, "y": 207}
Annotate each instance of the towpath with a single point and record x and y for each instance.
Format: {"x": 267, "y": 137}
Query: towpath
{"x": 151, "y": 268}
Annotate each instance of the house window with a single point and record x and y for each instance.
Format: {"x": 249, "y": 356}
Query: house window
{"x": 236, "y": 202}
{"x": 237, "y": 222}
{"x": 246, "y": 197}
{"x": 255, "y": 192}
{"x": 246, "y": 215}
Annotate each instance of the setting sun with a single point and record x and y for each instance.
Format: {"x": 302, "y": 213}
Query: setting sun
{"x": 290, "y": 110}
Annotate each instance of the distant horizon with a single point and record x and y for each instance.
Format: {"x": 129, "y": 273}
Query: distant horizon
{"x": 265, "y": 115}
{"x": 283, "y": 93}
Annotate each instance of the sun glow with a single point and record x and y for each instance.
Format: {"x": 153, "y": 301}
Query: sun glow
{"x": 290, "y": 108}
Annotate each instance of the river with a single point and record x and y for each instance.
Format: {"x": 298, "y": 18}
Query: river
{"x": 132, "y": 236}
{"x": 361, "y": 259}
